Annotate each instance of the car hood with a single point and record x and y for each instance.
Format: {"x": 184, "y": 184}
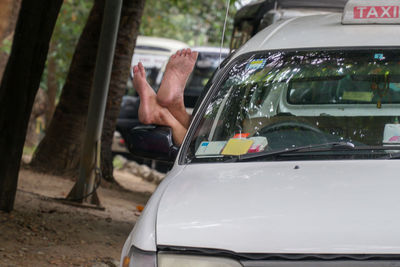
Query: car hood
{"x": 284, "y": 207}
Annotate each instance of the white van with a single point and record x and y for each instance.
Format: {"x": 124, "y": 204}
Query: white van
{"x": 292, "y": 158}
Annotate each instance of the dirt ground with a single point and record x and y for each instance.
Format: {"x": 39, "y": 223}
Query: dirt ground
{"x": 42, "y": 231}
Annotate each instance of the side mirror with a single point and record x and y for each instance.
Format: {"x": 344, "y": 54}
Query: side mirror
{"x": 152, "y": 142}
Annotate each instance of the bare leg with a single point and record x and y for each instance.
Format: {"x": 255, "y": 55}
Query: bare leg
{"x": 150, "y": 112}
{"x": 170, "y": 94}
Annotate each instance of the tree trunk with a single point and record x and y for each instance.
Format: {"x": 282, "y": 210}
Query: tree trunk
{"x": 51, "y": 83}
{"x": 128, "y": 30}
{"x": 20, "y": 83}
{"x": 9, "y": 10}
{"x": 35, "y": 126}
{"x": 59, "y": 150}
{"x": 8, "y": 16}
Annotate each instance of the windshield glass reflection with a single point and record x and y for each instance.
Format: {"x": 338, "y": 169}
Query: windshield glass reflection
{"x": 281, "y": 100}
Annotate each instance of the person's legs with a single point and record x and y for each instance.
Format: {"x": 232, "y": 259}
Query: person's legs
{"x": 170, "y": 94}
{"x": 150, "y": 112}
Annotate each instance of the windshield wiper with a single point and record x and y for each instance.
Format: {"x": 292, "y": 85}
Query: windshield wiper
{"x": 332, "y": 146}
{"x": 316, "y": 147}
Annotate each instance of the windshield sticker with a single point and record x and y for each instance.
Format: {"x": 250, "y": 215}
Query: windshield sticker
{"x": 241, "y": 135}
{"x": 210, "y": 148}
{"x": 259, "y": 144}
{"x": 391, "y": 134}
{"x": 379, "y": 56}
{"x": 358, "y": 96}
{"x": 237, "y": 146}
{"x": 256, "y": 64}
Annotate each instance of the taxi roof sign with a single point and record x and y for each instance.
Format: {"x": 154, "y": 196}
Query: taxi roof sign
{"x": 371, "y": 12}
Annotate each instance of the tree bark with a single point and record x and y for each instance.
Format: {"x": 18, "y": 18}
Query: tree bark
{"x": 59, "y": 151}
{"x": 8, "y": 13}
{"x": 51, "y": 83}
{"x": 9, "y": 10}
{"x": 128, "y": 31}
{"x": 20, "y": 83}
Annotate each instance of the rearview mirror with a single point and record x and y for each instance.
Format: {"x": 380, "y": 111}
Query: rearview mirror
{"x": 152, "y": 142}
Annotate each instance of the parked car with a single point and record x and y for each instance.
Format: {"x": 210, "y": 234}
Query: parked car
{"x": 292, "y": 158}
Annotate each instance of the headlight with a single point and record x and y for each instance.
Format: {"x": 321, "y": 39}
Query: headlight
{"x": 139, "y": 258}
{"x": 176, "y": 260}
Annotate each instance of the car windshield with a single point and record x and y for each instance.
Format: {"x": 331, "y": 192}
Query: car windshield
{"x": 277, "y": 101}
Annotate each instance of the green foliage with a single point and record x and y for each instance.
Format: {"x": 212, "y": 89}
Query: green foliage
{"x": 193, "y": 22}
{"x": 6, "y": 46}
{"x": 70, "y": 23}
{"x": 118, "y": 162}
{"x": 28, "y": 150}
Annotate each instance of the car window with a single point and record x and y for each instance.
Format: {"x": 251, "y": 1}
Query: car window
{"x": 281, "y": 100}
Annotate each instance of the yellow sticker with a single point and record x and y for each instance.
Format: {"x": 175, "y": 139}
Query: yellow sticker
{"x": 237, "y": 146}
{"x": 358, "y": 96}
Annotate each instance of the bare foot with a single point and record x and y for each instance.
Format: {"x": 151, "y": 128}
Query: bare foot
{"x": 150, "y": 112}
{"x": 149, "y": 109}
{"x": 178, "y": 69}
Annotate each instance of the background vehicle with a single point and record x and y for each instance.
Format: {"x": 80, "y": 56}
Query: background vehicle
{"x": 293, "y": 157}
{"x": 257, "y": 15}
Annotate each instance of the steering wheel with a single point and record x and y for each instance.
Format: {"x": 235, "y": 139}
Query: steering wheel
{"x": 286, "y": 134}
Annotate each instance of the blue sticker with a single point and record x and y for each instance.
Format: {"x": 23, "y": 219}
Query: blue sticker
{"x": 204, "y": 144}
{"x": 256, "y": 64}
{"x": 379, "y": 56}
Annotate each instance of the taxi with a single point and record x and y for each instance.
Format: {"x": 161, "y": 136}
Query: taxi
{"x": 292, "y": 158}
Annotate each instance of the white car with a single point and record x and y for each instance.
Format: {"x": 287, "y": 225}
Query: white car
{"x": 292, "y": 157}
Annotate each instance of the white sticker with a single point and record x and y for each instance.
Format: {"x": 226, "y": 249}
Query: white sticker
{"x": 391, "y": 134}
{"x": 260, "y": 142}
{"x": 210, "y": 148}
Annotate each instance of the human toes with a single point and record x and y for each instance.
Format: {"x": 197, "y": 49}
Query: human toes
{"x": 177, "y": 53}
{"x": 184, "y": 52}
{"x": 135, "y": 69}
{"x": 188, "y": 52}
{"x": 141, "y": 69}
{"x": 194, "y": 55}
